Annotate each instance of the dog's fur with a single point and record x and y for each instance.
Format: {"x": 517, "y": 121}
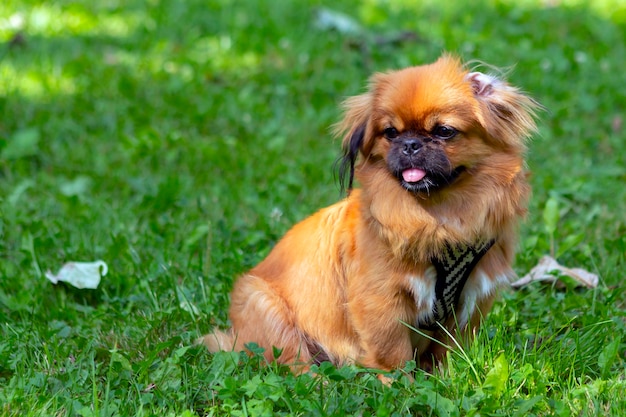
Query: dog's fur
{"x": 343, "y": 284}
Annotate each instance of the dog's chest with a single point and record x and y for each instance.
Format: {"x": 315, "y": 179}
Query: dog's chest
{"x": 423, "y": 290}
{"x": 438, "y": 294}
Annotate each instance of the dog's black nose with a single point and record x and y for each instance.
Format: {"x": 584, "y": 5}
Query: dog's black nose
{"x": 411, "y": 146}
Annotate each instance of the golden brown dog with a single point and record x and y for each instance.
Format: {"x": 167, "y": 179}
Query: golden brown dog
{"x": 425, "y": 242}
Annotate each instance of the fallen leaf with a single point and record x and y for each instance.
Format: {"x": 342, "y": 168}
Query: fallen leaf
{"x": 328, "y": 19}
{"x": 545, "y": 271}
{"x": 80, "y": 274}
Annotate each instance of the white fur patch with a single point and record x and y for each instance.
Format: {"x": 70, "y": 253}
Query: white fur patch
{"x": 477, "y": 288}
{"x": 423, "y": 289}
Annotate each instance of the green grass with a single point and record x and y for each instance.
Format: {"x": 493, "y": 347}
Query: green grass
{"x": 178, "y": 140}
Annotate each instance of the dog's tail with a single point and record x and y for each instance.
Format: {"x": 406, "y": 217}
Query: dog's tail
{"x": 219, "y": 340}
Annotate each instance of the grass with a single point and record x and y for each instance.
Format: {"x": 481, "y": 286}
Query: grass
{"x": 178, "y": 141}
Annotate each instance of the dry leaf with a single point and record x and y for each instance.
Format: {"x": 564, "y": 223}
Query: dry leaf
{"x": 544, "y": 271}
{"x": 80, "y": 274}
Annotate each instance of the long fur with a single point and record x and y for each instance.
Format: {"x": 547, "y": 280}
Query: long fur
{"x": 341, "y": 284}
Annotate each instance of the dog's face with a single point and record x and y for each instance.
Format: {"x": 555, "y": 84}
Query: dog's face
{"x": 432, "y": 124}
{"x": 416, "y": 155}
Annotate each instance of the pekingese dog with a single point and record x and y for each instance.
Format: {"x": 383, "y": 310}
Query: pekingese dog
{"x": 417, "y": 254}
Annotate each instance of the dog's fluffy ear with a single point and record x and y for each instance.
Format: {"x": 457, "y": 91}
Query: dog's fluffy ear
{"x": 507, "y": 114}
{"x": 353, "y": 128}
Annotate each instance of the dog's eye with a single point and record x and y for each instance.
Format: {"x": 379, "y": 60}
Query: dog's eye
{"x": 391, "y": 133}
{"x": 444, "y": 132}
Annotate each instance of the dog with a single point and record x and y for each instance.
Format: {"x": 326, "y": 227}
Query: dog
{"x": 414, "y": 257}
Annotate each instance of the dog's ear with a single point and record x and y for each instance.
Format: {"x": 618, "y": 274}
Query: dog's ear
{"x": 507, "y": 114}
{"x": 353, "y": 128}
{"x": 346, "y": 163}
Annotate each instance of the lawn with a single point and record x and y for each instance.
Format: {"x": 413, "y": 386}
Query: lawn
{"x": 178, "y": 140}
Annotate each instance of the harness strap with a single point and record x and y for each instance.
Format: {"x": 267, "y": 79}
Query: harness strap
{"x": 453, "y": 267}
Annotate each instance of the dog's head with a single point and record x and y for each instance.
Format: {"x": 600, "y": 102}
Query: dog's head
{"x": 430, "y": 125}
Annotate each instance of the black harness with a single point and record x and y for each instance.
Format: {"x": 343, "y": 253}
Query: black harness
{"x": 453, "y": 267}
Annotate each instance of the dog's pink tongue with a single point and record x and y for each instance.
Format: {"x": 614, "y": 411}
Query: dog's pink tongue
{"x": 413, "y": 174}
